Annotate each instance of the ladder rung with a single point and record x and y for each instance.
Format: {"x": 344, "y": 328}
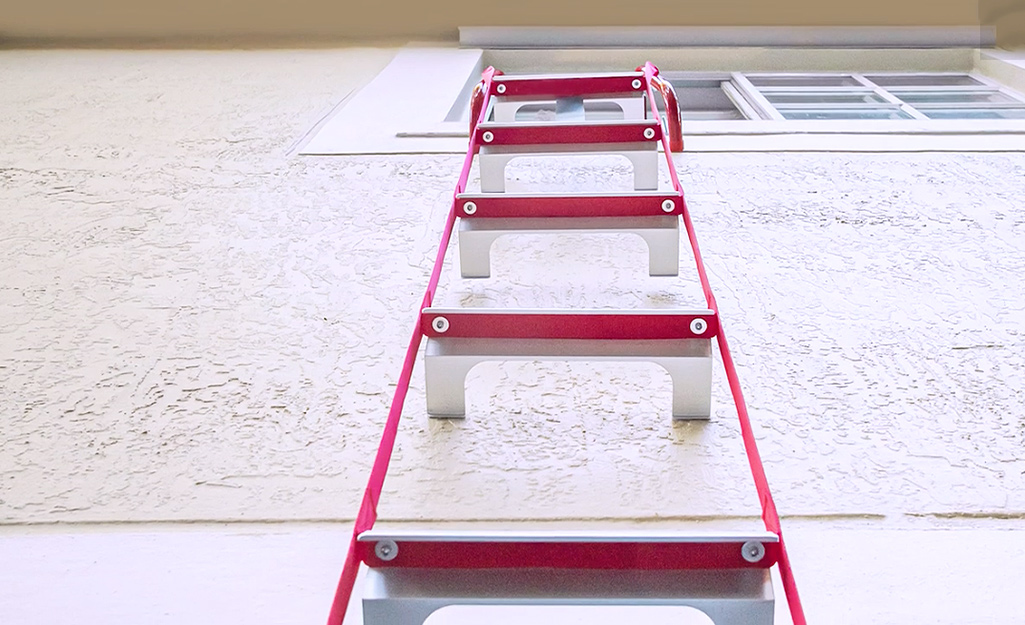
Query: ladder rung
{"x": 661, "y": 233}
{"x": 513, "y": 205}
{"x": 383, "y": 532}
{"x": 408, "y": 596}
{"x": 549, "y": 133}
{"x": 569, "y": 550}
{"x": 580, "y": 324}
{"x": 561, "y": 86}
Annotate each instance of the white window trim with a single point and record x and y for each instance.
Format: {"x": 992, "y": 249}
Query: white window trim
{"x": 410, "y": 105}
{"x": 758, "y": 101}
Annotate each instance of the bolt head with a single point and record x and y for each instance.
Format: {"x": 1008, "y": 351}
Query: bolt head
{"x": 649, "y": 133}
{"x": 440, "y": 325}
{"x": 469, "y": 208}
{"x": 698, "y": 326}
{"x": 753, "y": 551}
{"x": 488, "y": 136}
{"x": 500, "y": 89}
{"x": 386, "y": 550}
{"x": 636, "y": 84}
{"x": 668, "y": 206}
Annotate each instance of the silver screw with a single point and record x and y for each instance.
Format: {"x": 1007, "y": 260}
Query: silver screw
{"x": 501, "y": 88}
{"x": 386, "y": 550}
{"x": 469, "y": 208}
{"x": 649, "y": 133}
{"x": 698, "y": 326}
{"x": 753, "y": 551}
{"x": 488, "y": 136}
{"x": 440, "y": 325}
{"x": 636, "y": 84}
{"x": 668, "y": 206}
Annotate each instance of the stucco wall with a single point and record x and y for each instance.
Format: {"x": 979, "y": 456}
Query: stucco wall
{"x": 196, "y": 323}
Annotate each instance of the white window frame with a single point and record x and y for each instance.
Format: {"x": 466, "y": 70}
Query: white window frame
{"x": 759, "y": 96}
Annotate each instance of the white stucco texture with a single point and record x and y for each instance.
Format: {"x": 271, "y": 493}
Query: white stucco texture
{"x": 196, "y": 323}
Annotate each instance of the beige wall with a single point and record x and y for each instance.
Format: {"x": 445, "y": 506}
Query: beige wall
{"x": 440, "y": 18}
{"x": 212, "y": 20}
{"x": 1008, "y": 16}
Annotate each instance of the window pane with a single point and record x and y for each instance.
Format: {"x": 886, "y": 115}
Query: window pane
{"x": 813, "y": 97}
{"x": 697, "y": 97}
{"x": 814, "y": 80}
{"x": 710, "y": 115}
{"x": 974, "y": 113}
{"x": 951, "y": 97}
{"x": 536, "y": 112}
{"x": 546, "y": 111}
{"x": 844, "y": 114}
{"x": 923, "y": 80}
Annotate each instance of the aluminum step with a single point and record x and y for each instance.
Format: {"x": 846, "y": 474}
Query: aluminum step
{"x": 458, "y": 339}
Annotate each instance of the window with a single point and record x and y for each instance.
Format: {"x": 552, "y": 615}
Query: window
{"x": 830, "y": 99}
{"x": 704, "y": 96}
{"x": 707, "y": 96}
{"x": 845, "y": 97}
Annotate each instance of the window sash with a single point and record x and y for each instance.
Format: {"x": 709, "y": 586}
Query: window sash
{"x": 981, "y": 113}
{"x": 764, "y": 101}
{"x": 845, "y": 114}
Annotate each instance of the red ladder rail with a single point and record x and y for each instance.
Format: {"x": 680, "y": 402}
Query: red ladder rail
{"x": 367, "y": 515}
{"x": 770, "y": 516}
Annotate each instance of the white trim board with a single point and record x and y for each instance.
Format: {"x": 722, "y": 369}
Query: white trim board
{"x": 419, "y": 88}
{"x": 1007, "y": 68}
{"x": 727, "y": 36}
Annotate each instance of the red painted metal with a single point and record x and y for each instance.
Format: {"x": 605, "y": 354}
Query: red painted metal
{"x": 583, "y": 326}
{"x": 368, "y": 508}
{"x": 674, "y": 124}
{"x": 554, "y": 133}
{"x": 367, "y": 515}
{"x": 476, "y": 104}
{"x": 770, "y": 516}
{"x": 640, "y": 556}
{"x": 477, "y": 99}
{"x": 570, "y": 86}
{"x": 540, "y": 206}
